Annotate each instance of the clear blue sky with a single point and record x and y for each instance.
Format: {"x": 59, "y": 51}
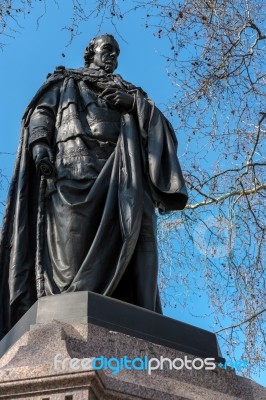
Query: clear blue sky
{"x": 26, "y": 60}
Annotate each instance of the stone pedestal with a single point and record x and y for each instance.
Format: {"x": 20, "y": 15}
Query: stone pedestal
{"x": 28, "y": 369}
{"x": 88, "y": 307}
{"x": 44, "y": 359}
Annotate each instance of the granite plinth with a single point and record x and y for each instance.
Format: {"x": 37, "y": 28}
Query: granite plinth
{"x": 88, "y": 307}
{"x": 28, "y": 370}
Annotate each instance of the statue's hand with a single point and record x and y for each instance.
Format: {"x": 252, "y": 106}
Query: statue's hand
{"x": 42, "y": 151}
{"x": 44, "y": 161}
{"x": 119, "y": 99}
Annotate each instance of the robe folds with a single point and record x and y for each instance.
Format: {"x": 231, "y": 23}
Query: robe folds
{"x": 92, "y": 226}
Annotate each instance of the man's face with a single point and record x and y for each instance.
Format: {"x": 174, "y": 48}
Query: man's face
{"x": 106, "y": 53}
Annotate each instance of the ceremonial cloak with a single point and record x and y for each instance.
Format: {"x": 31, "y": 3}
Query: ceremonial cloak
{"x": 80, "y": 229}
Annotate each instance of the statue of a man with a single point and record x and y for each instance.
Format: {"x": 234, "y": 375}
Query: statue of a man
{"x": 96, "y": 158}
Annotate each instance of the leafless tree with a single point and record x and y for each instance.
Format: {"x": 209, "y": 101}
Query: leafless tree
{"x": 4, "y": 183}
{"x": 217, "y": 67}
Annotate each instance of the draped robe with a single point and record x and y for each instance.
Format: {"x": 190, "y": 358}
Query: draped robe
{"x": 92, "y": 226}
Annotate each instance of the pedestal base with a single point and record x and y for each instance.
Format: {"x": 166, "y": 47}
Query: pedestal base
{"x": 83, "y": 307}
{"x": 41, "y": 366}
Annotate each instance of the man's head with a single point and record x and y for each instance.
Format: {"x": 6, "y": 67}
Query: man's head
{"x": 102, "y": 53}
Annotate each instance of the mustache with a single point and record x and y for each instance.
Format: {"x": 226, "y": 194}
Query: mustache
{"x": 110, "y": 63}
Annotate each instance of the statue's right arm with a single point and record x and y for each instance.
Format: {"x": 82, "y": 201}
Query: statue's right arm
{"x": 42, "y": 124}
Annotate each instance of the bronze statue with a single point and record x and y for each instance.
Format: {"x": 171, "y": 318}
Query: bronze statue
{"x": 96, "y": 157}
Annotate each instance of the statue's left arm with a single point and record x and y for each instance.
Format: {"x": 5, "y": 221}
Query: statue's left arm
{"x": 159, "y": 151}
{"x": 165, "y": 177}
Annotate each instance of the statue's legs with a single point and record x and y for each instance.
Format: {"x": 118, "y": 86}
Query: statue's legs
{"x": 139, "y": 283}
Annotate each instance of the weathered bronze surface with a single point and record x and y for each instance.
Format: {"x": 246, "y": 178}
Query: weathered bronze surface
{"x": 96, "y": 158}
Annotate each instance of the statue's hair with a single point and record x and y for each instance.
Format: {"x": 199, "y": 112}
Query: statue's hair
{"x": 89, "y": 50}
